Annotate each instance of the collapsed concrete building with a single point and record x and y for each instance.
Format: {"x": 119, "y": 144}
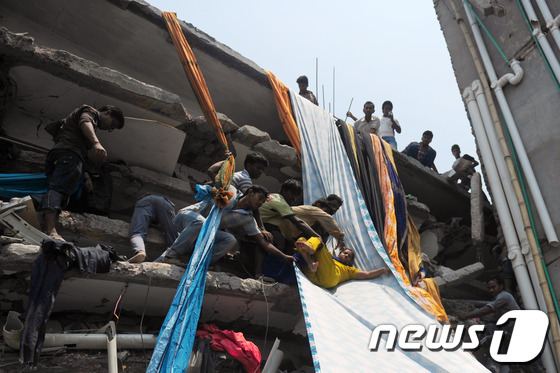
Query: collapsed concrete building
{"x": 50, "y": 65}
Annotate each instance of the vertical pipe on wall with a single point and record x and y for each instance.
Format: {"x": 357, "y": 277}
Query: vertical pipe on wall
{"x": 516, "y": 138}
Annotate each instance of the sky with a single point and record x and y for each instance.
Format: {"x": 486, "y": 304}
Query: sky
{"x": 378, "y": 50}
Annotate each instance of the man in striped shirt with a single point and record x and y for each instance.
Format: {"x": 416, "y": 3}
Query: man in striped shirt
{"x": 255, "y": 163}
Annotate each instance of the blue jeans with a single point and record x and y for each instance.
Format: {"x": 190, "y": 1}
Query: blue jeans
{"x": 391, "y": 140}
{"x": 190, "y": 223}
{"x": 64, "y": 169}
{"x": 150, "y": 209}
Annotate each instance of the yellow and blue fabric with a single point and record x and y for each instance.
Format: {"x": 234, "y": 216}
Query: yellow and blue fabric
{"x": 359, "y": 306}
{"x": 420, "y": 295}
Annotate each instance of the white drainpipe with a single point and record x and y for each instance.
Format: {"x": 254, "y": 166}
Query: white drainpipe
{"x": 86, "y": 341}
{"x": 551, "y": 23}
{"x": 510, "y": 235}
{"x": 512, "y": 126}
{"x": 541, "y": 38}
{"x": 514, "y": 251}
{"x": 513, "y": 203}
{"x": 498, "y": 157}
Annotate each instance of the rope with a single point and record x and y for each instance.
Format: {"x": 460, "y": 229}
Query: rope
{"x": 198, "y": 84}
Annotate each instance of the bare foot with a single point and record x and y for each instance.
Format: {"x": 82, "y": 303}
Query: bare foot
{"x": 304, "y": 246}
{"x": 314, "y": 267}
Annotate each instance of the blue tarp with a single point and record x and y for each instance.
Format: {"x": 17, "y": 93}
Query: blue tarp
{"x": 21, "y": 185}
{"x": 176, "y": 337}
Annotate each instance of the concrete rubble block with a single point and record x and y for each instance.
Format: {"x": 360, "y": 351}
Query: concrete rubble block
{"x": 430, "y": 240}
{"x": 488, "y": 7}
{"x": 18, "y": 253}
{"x": 477, "y": 205}
{"x": 275, "y": 152}
{"x": 166, "y": 182}
{"x": 250, "y": 136}
{"x": 203, "y": 126}
{"x": 418, "y": 211}
{"x": 450, "y": 278}
{"x": 89, "y": 230}
{"x": 188, "y": 174}
{"x": 131, "y": 183}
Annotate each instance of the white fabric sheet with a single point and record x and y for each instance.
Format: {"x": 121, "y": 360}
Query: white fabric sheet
{"x": 339, "y": 322}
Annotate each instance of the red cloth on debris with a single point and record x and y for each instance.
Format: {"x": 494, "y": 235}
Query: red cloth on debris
{"x": 233, "y": 343}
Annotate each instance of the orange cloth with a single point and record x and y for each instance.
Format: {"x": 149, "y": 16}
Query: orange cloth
{"x": 428, "y": 300}
{"x": 414, "y": 261}
{"x": 282, "y": 100}
{"x": 188, "y": 60}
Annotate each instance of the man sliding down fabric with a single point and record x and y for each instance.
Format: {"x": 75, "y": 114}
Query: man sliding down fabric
{"x": 328, "y": 271}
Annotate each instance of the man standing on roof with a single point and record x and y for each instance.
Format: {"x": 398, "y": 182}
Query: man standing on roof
{"x": 388, "y": 125}
{"x": 369, "y": 123}
{"x": 422, "y": 151}
{"x": 463, "y": 165}
{"x": 303, "y": 83}
{"x": 73, "y": 137}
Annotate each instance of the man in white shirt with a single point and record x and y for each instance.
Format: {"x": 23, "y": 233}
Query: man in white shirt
{"x": 388, "y": 125}
{"x": 369, "y": 123}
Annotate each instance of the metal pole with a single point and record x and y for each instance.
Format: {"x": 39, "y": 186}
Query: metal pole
{"x": 333, "y": 90}
{"x": 349, "y": 107}
{"x": 317, "y": 75}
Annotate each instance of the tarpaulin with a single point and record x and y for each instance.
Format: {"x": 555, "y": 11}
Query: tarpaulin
{"x": 176, "y": 337}
{"x": 420, "y": 295}
{"x": 21, "y": 185}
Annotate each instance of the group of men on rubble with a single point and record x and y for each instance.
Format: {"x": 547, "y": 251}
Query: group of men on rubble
{"x": 245, "y": 214}
{"x": 250, "y": 207}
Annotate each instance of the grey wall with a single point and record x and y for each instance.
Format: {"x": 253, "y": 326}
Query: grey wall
{"x": 535, "y": 102}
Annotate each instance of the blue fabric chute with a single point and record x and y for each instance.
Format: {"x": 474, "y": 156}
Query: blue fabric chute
{"x": 176, "y": 337}
{"x": 21, "y": 185}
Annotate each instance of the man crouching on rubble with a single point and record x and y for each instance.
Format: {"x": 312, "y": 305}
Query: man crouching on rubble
{"x": 73, "y": 137}
{"x": 237, "y": 217}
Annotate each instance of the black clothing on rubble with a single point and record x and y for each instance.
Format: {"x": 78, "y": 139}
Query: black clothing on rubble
{"x": 46, "y": 278}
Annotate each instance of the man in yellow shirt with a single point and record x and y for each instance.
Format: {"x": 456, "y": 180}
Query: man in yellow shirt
{"x": 327, "y": 271}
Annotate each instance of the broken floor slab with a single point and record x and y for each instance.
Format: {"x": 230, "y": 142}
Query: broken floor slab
{"x": 449, "y": 279}
{"x": 19, "y": 49}
{"x": 89, "y": 230}
{"x": 149, "y": 288}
